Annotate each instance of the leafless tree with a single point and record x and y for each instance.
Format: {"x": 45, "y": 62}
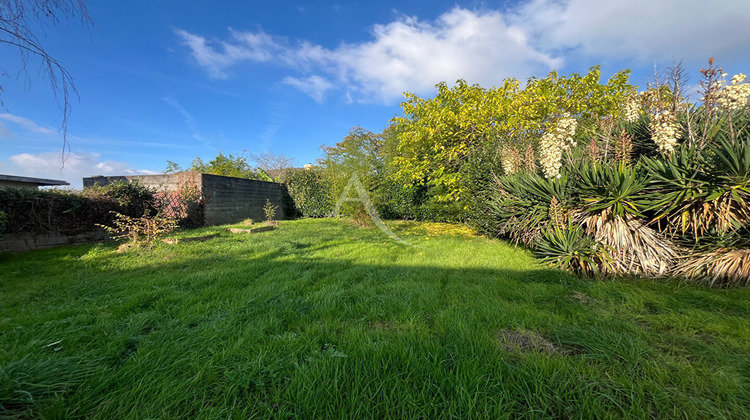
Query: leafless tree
{"x": 271, "y": 161}
{"x": 18, "y": 21}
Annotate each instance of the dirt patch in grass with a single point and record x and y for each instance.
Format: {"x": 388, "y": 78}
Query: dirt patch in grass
{"x": 581, "y": 298}
{"x": 526, "y": 341}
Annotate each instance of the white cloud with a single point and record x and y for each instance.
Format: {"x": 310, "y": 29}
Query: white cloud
{"x": 487, "y": 46}
{"x": 314, "y": 86}
{"x": 77, "y": 166}
{"x": 404, "y": 55}
{"x": 216, "y": 56}
{"x": 410, "y": 55}
{"x": 27, "y": 124}
{"x": 692, "y": 30}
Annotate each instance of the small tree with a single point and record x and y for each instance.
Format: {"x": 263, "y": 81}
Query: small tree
{"x": 140, "y": 231}
{"x": 270, "y": 211}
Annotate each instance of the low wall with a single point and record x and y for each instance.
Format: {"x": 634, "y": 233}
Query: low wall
{"x": 226, "y": 199}
{"x": 19, "y": 242}
{"x": 164, "y": 182}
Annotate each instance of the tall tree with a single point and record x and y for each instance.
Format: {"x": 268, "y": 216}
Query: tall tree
{"x": 437, "y": 134}
{"x": 358, "y": 152}
{"x": 235, "y": 166}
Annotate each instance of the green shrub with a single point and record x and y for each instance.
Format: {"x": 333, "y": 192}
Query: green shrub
{"x": 32, "y": 211}
{"x": 478, "y": 179}
{"x": 71, "y": 212}
{"x": 140, "y": 231}
{"x": 569, "y": 248}
{"x": 397, "y": 200}
{"x": 133, "y": 197}
{"x": 310, "y": 193}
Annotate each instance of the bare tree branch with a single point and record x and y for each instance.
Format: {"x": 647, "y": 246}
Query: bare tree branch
{"x": 270, "y": 161}
{"x": 16, "y": 20}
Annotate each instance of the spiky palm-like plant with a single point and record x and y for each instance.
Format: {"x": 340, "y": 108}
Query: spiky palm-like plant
{"x": 616, "y": 188}
{"x": 570, "y": 249}
{"x": 613, "y": 202}
{"x": 702, "y": 191}
{"x": 721, "y": 261}
{"x": 677, "y": 191}
{"x": 522, "y": 204}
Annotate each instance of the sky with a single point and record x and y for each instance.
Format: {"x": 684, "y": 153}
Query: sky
{"x": 163, "y": 80}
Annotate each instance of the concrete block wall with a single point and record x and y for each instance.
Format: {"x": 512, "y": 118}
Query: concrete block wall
{"x": 230, "y": 200}
{"x": 164, "y": 182}
{"x": 226, "y": 199}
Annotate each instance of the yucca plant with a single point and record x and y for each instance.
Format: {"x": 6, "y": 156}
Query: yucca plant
{"x": 677, "y": 191}
{"x": 612, "y": 214}
{"x": 634, "y": 247}
{"x": 700, "y": 191}
{"x": 730, "y": 176}
{"x": 616, "y": 188}
{"x": 522, "y": 204}
{"x": 569, "y": 248}
{"x": 722, "y": 257}
{"x": 724, "y": 261}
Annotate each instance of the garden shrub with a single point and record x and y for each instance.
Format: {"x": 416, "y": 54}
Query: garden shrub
{"x": 72, "y": 212}
{"x": 139, "y": 231}
{"x": 270, "y": 211}
{"x": 40, "y": 211}
{"x": 677, "y": 206}
{"x": 310, "y": 192}
{"x": 478, "y": 176}
{"x": 397, "y": 200}
{"x": 133, "y": 197}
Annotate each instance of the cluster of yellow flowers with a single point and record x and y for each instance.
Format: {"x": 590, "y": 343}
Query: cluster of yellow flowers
{"x": 553, "y": 143}
{"x": 734, "y": 95}
{"x": 511, "y": 160}
{"x": 665, "y": 130}
{"x": 631, "y": 108}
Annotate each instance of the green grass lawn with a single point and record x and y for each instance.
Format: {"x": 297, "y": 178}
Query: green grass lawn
{"x": 320, "y": 319}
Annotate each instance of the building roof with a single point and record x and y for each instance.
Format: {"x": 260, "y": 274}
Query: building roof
{"x": 38, "y": 181}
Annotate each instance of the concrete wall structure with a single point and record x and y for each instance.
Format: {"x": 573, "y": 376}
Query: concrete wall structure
{"x": 226, "y": 199}
{"x": 165, "y": 182}
{"x": 20, "y": 242}
{"x": 230, "y": 200}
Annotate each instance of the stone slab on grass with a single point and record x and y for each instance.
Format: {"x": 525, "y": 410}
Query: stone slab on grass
{"x": 173, "y": 241}
{"x": 255, "y": 230}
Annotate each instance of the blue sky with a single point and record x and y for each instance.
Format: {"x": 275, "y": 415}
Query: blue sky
{"x": 172, "y": 80}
